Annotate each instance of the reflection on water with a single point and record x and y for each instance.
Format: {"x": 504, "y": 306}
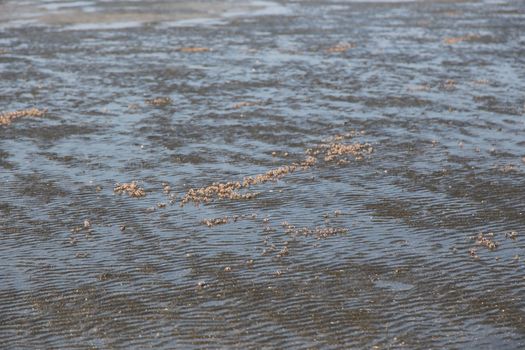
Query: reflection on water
{"x": 106, "y": 15}
{"x": 415, "y": 243}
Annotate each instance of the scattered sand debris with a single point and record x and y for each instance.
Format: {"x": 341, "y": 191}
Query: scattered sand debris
{"x": 283, "y": 252}
{"x": 449, "y": 84}
{"x": 161, "y": 205}
{"x": 159, "y": 101}
{"x": 283, "y": 154}
{"x": 230, "y": 190}
{"x": 216, "y": 190}
{"x": 287, "y": 225}
{"x": 7, "y": 118}
{"x": 166, "y": 188}
{"x": 486, "y": 240}
{"x": 216, "y": 221}
{"x": 246, "y": 104}
{"x": 226, "y": 219}
{"x": 324, "y": 232}
{"x": 81, "y": 255}
{"x": 132, "y": 189}
{"x": 319, "y": 232}
{"x": 280, "y": 154}
{"x": 72, "y": 241}
{"x": 511, "y": 234}
{"x": 249, "y": 262}
{"x": 105, "y": 276}
{"x": 86, "y": 226}
{"x": 473, "y": 253}
{"x": 202, "y": 284}
{"x": 331, "y": 151}
{"x": 419, "y": 87}
{"x": 459, "y": 39}
{"x": 308, "y": 162}
{"x": 481, "y": 81}
{"x": 269, "y": 250}
{"x": 194, "y": 49}
{"x": 270, "y": 175}
{"x": 341, "y": 47}
{"x": 338, "y": 151}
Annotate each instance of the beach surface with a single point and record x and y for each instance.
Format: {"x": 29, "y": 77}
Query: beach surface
{"x": 259, "y": 174}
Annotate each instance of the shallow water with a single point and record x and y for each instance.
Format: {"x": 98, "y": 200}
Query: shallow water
{"x": 436, "y": 87}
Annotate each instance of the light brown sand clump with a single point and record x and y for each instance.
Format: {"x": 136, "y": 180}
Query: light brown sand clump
{"x": 166, "y": 188}
{"x": 337, "y": 151}
{"x": 231, "y": 190}
{"x": 132, "y": 189}
{"x": 341, "y": 47}
{"x": 159, "y": 101}
{"x": 194, "y": 49}
{"x": 217, "y": 190}
{"x": 216, "y": 221}
{"x": 319, "y": 232}
{"x": 270, "y": 175}
{"x": 308, "y": 162}
{"x": 459, "y": 39}
{"x": 332, "y": 150}
{"x": 512, "y": 235}
{"x": 486, "y": 240}
{"x": 7, "y": 118}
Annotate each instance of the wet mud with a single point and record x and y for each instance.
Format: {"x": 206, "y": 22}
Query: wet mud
{"x": 290, "y": 174}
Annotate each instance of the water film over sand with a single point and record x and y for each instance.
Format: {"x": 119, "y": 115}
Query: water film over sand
{"x": 257, "y": 174}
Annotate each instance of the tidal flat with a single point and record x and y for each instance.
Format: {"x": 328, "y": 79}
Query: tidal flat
{"x": 294, "y": 174}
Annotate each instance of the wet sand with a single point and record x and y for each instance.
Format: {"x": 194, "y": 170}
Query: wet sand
{"x": 119, "y": 14}
{"x": 292, "y": 174}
